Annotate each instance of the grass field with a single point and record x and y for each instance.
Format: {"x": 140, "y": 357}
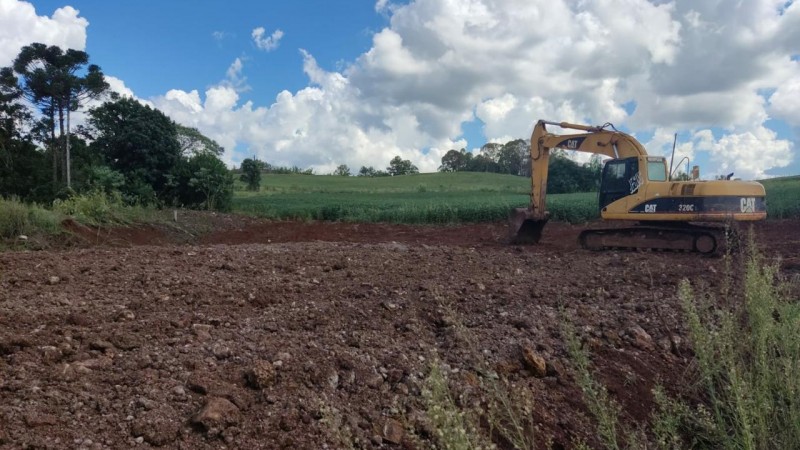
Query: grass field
{"x": 420, "y": 198}
{"x": 783, "y": 197}
{"x": 437, "y": 198}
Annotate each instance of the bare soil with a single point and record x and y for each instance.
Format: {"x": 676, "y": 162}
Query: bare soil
{"x": 228, "y": 332}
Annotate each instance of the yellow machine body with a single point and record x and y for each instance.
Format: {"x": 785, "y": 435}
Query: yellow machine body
{"x": 634, "y": 185}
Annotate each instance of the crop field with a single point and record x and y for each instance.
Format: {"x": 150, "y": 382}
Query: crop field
{"x": 438, "y": 199}
{"x": 422, "y": 198}
{"x": 783, "y": 197}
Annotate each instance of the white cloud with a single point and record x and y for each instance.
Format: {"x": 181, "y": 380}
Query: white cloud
{"x": 234, "y": 77}
{"x": 682, "y": 64}
{"x": 650, "y": 66}
{"x": 117, "y": 85}
{"x": 268, "y": 43}
{"x": 20, "y": 26}
{"x": 785, "y": 102}
{"x": 748, "y": 155}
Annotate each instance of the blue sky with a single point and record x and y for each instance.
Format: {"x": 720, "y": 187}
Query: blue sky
{"x": 361, "y": 81}
{"x": 156, "y": 45}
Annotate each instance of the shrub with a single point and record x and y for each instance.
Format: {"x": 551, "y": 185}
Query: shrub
{"x": 17, "y": 218}
{"x": 748, "y": 355}
{"x": 98, "y": 208}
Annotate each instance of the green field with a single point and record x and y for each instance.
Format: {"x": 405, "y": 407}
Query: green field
{"x": 783, "y": 197}
{"x": 419, "y": 198}
{"x": 437, "y": 198}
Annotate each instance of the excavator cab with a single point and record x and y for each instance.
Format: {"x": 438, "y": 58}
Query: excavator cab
{"x": 620, "y": 178}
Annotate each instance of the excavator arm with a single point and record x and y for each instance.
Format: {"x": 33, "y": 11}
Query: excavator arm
{"x": 526, "y": 224}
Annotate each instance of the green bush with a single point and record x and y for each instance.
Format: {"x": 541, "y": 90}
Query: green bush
{"x": 747, "y": 347}
{"x": 98, "y": 208}
{"x": 201, "y": 181}
{"x": 17, "y": 218}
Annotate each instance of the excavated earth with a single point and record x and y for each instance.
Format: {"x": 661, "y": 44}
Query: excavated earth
{"x": 227, "y": 332}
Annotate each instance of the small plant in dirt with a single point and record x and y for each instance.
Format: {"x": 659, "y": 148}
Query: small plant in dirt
{"x": 454, "y": 428}
{"x": 605, "y": 410}
{"x": 746, "y": 344}
{"x": 747, "y": 350}
{"x": 18, "y": 219}
{"x": 98, "y": 208}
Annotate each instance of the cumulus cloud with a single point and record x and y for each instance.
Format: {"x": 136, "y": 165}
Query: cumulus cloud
{"x": 652, "y": 67}
{"x": 784, "y": 102}
{"x": 20, "y": 25}
{"x": 268, "y": 43}
{"x": 647, "y": 66}
{"x": 748, "y": 155}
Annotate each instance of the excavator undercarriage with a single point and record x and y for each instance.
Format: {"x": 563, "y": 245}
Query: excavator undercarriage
{"x": 667, "y": 236}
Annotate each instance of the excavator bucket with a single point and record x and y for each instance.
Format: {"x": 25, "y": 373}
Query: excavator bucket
{"x": 524, "y": 228}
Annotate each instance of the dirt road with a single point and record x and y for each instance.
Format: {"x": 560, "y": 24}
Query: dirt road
{"x": 308, "y": 335}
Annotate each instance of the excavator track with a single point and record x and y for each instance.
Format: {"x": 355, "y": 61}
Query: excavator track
{"x": 684, "y": 238}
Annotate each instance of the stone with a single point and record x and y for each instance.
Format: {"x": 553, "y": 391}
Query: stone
{"x": 534, "y": 362}
{"x": 101, "y": 345}
{"x": 198, "y": 383}
{"x": 217, "y": 414}
{"x": 374, "y": 380}
{"x": 555, "y": 369}
{"x": 393, "y": 431}
{"x": 639, "y": 338}
{"x": 34, "y": 420}
{"x": 221, "y": 351}
{"x": 202, "y": 331}
{"x": 53, "y": 280}
{"x": 156, "y": 428}
{"x": 261, "y": 375}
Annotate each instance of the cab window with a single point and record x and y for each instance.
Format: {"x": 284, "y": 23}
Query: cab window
{"x": 656, "y": 170}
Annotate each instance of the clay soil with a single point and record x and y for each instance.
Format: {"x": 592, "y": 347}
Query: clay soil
{"x": 228, "y": 332}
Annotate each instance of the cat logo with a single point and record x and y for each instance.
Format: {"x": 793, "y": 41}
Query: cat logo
{"x": 649, "y": 208}
{"x": 748, "y": 205}
{"x": 573, "y": 143}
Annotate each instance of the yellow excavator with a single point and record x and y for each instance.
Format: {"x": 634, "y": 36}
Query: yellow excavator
{"x": 636, "y": 187}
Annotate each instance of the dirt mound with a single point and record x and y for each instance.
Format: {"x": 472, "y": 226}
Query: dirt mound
{"x": 316, "y": 335}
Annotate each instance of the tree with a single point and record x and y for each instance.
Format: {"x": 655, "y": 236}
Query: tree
{"x": 366, "y": 171}
{"x": 509, "y": 159}
{"x": 22, "y": 165}
{"x": 342, "y": 170}
{"x": 137, "y": 141}
{"x": 565, "y": 175}
{"x": 455, "y": 161}
{"x": 251, "y": 173}
{"x": 200, "y": 181}
{"x": 681, "y": 176}
{"x": 193, "y": 142}
{"x": 491, "y": 151}
{"x": 51, "y": 80}
{"x": 213, "y": 180}
{"x": 399, "y": 166}
{"x": 482, "y": 163}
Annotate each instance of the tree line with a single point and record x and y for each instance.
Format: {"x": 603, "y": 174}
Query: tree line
{"x": 125, "y": 148}
{"x": 136, "y": 152}
{"x": 513, "y": 158}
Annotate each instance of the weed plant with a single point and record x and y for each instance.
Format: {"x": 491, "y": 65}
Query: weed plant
{"x": 98, "y": 208}
{"x": 746, "y": 343}
{"x": 17, "y": 218}
{"x": 748, "y": 356}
